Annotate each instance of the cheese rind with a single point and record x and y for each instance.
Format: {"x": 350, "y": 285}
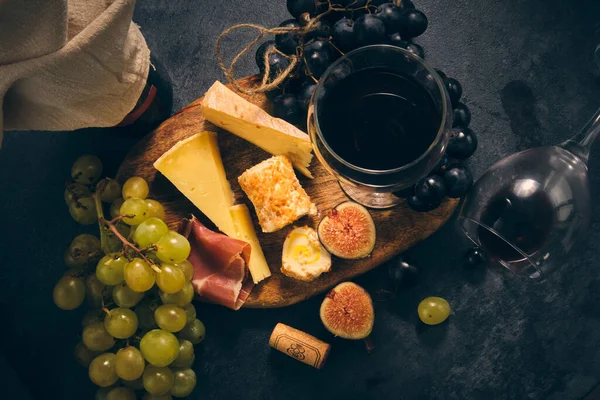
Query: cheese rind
{"x": 229, "y": 111}
{"x": 195, "y": 167}
{"x": 259, "y": 269}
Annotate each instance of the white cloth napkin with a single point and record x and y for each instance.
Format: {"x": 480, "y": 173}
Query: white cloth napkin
{"x": 69, "y": 64}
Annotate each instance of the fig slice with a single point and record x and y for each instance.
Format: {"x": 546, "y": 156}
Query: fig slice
{"x": 348, "y": 231}
{"x": 347, "y": 311}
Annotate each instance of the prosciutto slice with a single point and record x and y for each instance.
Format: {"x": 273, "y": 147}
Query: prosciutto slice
{"x": 220, "y": 263}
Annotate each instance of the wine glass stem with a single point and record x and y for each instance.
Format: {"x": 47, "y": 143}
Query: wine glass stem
{"x": 581, "y": 144}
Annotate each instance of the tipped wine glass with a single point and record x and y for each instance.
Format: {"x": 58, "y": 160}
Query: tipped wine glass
{"x": 529, "y": 209}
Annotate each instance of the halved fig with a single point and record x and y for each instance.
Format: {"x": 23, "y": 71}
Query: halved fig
{"x": 348, "y": 231}
{"x": 347, "y": 311}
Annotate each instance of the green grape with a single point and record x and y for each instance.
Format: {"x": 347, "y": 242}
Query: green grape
{"x": 114, "y": 244}
{"x": 170, "y": 317}
{"x": 95, "y": 292}
{"x": 173, "y": 247}
{"x": 129, "y": 363}
{"x": 135, "y": 187}
{"x": 158, "y": 380}
{"x": 186, "y": 355}
{"x": 121, "y": 393}
{"x": 110, "y": 269}
{"x": 102, "y": 370}
{"x": 74, "y": 191}
{"x": 181, "y": 298}
{"x": 194, "y": 332}
{"x": 155, "y": 209}
{"x": 149, "y": 396}
{"x": 170, "y": 279}
{"x": 69, "y": 293}
{"x": 84, "y": 211}
{"x": 96, "y": 338}
{"x": 184, "y": 384}
{"x": 110, "y": 190}
{"x": 121, "y": 323}
{"x": 83, "y": 355}
{"x": 135, "y": 384}
{"x": 138, "y": 210}
{"x": 187, "y": 268}
{"x": 149, "y": 232}
{"x": 159, "y": 347}
{"x": 125, "y": 297}
{"x": 145, "y": 314}
{"x": 90, "y": 317}
{"x": 115, "y": 207}
{"x": 101, "y": 393}
{"x": 190, "y": 312}
{"x": 86, "y": 169}
{"x": 138, "y": 275}
{"x": 433, "y": 310}
{"x": 81, "y": 250}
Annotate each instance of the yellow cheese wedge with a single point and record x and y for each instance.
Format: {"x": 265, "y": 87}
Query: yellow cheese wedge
{"x": 229, "y": 111}
{"x": 259, "y": 269}
{"x": 195, "y": 167}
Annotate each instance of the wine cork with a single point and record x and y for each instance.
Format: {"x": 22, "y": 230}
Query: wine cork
{"x": 299, "y": 345}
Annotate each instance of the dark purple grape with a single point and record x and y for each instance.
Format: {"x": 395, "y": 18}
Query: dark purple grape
{"x": 368, "y": 29}
{"x": 343, "y": 34}
{"x": 305, "y": 94}
{"x": 273, "y": 93}
{"x": 320, "y": 45}
{"x": 391, "y": 16}
{"x": 474, "y": 257}
{"x": 407, "y": 4}
{"x": 443, "y": 164}
{"x": 405, "y": 193}
{"x": 461, "y": 116}
{"x": 288, "y": 42}
{"x": 317, "y": 62}
{"x": 286, "y": 107}
{"x": 299, "y": 7}
{"x": 260, "y": 54}
{"x": 454, "y": 90}
{"x": 277, "y": 64}
{"x": 321, "y": 30}
{"x": 414, "y": 48}
{"x": 462, "y": 144}
{"x": 402, "y": 271}
{"x": 458, "y": 181}
{"x": 431, "y": 189}
{"x": 420, "y": 205}
{"x": 442, "y": 75}
{"x": 413, "y": 23}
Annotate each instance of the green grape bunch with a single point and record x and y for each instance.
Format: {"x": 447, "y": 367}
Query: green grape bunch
{"x": 138, "y": 335}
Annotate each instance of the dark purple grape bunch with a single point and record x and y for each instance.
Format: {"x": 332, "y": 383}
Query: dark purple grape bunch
{"x": 451, "y": 177}
{"x": 350, "y": 24}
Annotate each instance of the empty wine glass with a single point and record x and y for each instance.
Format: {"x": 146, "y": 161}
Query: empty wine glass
{"x": 529, "y": 209}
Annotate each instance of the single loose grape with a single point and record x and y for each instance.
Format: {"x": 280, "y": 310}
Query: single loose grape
{"x": 121, "y": 393}
{"x": 83, "y": 355}
{"x": 95, "y": 291}
{"x": 86, "y": 169}
{"x": 187, "y": 268}
{"x": 149, "y": 396}
{"x": 115, "y": 207}
{"x": 159, "y": 347}
{"x": 155, "y": 209}
{"x": 96, "y": 338}
{"x": 195, "y": 332}
{"x": 433, "y": 310}
{"x": 184, "y": 384}
{"x": 181, "y": 298}
{"x": 109, "y": 190}
{"x": 74, "y": 191}
{"x": 190, "y": 312}
{"x": 129, "y": 363}
{"x": 170, "y": 279}
{"x": 158, "y": 380}
{"x": 186, "y": 355}
{"x": 149, "y": 232}
{"x": 135, "y": 187}
{"x": 173, "y": 247}
{"x": 170, "y": 317}
{"x": 136, "y": 208}
{"x": 121, "y": 323}
{"x": 110, "y": 269}
{"x": 102, "y": 370}
{"x": 69, "y": 292}
{"x": 136, "y": 384}
{"x": 124, "y": 296}
{"x": 83, "y": 211}
{"x": 138, "y": 275}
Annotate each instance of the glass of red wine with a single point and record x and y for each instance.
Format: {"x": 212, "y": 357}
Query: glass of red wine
{"x": 379, "y": 121}
{"x": 529, "y": 209}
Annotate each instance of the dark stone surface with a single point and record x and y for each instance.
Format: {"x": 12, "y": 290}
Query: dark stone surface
{"x": 529, "y": 78}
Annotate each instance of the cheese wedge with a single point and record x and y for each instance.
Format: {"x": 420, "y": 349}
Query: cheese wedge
{"x": 195, "y": 167}
{"x": 229, "y": 111}
{"x": 259, "y": 269}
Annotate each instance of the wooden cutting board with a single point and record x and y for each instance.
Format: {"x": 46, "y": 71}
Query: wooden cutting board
{"x": 397, "y": 229}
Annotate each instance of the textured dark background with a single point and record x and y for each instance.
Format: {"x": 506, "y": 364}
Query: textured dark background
{"x": 529, "y": 78}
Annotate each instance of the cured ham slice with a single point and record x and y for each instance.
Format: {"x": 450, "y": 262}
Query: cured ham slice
{"x": 220, "y": 264}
